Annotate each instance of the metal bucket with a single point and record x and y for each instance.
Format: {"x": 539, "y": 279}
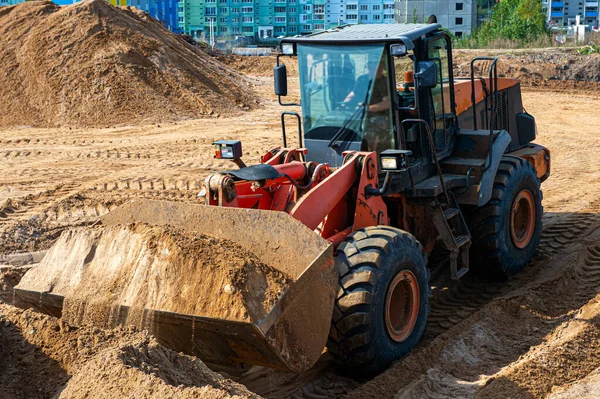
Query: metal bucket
{"x": 293, "y": 334}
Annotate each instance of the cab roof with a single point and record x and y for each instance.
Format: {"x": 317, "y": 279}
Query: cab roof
{"x": 369, "y": 33}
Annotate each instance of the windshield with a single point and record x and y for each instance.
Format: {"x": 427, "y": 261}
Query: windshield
{"x": 345, "y": 94}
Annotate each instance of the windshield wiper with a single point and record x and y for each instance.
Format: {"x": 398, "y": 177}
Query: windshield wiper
{"x": 362, "y": 107}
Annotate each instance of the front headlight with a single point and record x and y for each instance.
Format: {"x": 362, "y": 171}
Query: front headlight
{"x": 389, "y": 163}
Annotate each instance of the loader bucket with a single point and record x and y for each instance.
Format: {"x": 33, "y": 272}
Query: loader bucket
{"x": 290, "y": 337}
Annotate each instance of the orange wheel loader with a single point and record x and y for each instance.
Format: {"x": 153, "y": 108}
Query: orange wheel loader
{"x": 394, "y": 157}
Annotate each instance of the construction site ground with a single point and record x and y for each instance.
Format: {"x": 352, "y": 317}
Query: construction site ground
{"x": 536, "y": 335}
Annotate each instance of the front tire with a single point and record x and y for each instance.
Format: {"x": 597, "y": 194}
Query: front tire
{"x": 383, "y": 299}
{"x": 506, "y": 230}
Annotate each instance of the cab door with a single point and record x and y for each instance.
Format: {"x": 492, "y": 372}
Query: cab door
{"x": 441, "y": 107}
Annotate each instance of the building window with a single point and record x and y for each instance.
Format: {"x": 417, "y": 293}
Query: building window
{"x": 247, "y": 9}
{"x": 364, "y": 17}
{"x": 292, "y": 10}
{"x": 248, "y": 29}
{"x": 280, "y": 29}
{"x": 458, "y": 34}
{"x": 292, "y": 20}
{"x": 319, "y": 9}
{"x": 306, "y": 8}
{"x": 351, "y": 6}
{"x": 223, "y": 20}
{"x": 235, "y": 20}
{"x": 319, "y": 26}
{"x": 279, "y": 9}
{"x": 459, "y": 6}
{"x": 376, "y": 7}
{"x": 236, "y": 29}
{"x": 223, "y": 10}
{"x": 306, "y": 28}
{"x": 364, "y": 7}
{"x": 180, "y": 19}
{"x": 458, "y": 21}
{"x": 305, "y": 17}
{"x": 388, "y": 16}
{"x": 211, "y": 1}
{"x": 352, "y": 17}
{"x": 247, "y": 19}
{"x": 280, "y": 19}
{"x": 376, "y": 17}
{"x": 211, "y": 10}
{"x": 292, "y": 29}
{"x": 235, "y": 10}
{"x": 223, "y": 29}
{"x": 388, "y": 6}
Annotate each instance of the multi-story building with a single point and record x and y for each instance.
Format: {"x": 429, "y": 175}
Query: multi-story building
{"x": 459, "y": 16}
{"x": 564, "y": 13}
{"x": 360, "y": 11}
{"x": 269, "y": 19}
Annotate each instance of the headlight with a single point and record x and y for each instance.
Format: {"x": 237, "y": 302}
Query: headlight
{"x": 287, "y": 48}
{"x": 397, "y": 50}
{"x": 389, "y": 163}
{"x": 394, "y": 160}
{"x": 227, "y": 149}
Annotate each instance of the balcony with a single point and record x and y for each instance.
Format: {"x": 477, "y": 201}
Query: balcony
{"x": 557, "y": 14}
{"x": 591, "y": 4}
{"x": 591, "y": 14}
{"x": 558, "y": 4}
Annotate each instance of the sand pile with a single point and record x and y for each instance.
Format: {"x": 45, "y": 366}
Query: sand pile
{"x": 92, "y": 64}
{"x": 42, "y": 357}
{"x": 146, "y": 267}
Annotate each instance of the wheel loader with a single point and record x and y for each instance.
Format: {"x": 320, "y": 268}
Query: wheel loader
{"x": 395, "y": 157}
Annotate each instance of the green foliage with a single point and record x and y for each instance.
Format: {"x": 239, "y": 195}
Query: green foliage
{"x": 589, "y": 49}
{"x": 520, "y": 21}
{"x": 414, "y": 14}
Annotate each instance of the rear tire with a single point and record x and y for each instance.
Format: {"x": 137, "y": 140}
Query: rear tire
{"x": 383, "y": 299}
{"x": 506, "y": 230}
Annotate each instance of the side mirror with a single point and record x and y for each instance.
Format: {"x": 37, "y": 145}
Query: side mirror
{"x": 427, "y": 75}
{"x": 280, "y": 76}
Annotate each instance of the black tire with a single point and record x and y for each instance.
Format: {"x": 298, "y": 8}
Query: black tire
{"x": 496, "y": 251}
{"x": 369, "y": 261}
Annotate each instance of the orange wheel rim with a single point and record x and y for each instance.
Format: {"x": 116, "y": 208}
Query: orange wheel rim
{"x": 402, "y": 306}
{"x": 522, "y": 219}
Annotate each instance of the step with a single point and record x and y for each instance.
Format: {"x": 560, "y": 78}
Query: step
{"x": 449, "y": 213}
{"x": 460, "y": 166}
{"x": 461, "y": 241}
{"x": 432, "y": 187}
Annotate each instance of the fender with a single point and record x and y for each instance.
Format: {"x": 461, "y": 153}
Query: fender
{"x": 480, "y": 194}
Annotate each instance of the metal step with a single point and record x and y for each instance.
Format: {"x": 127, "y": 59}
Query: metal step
{"x": 460, "y": 166}
{"x": 432, "y": 186}
{"x": 461, "y": 241}
{"x": 449, "y": 213}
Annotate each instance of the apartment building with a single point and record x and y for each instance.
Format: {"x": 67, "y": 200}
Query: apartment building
{"x": 564, "y": 13}
{"x": 264, "y": 20}
{"x": 459, "y": 16}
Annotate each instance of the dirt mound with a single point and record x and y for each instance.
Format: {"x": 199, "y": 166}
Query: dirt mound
{"x": 43, "y": 357}
{"x": 561, "y": 69}
{"x": 92, "y": 64}
{"x": 145, "y": 267}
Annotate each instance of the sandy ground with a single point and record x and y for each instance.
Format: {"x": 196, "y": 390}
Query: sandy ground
{"x": 536, "y": 335}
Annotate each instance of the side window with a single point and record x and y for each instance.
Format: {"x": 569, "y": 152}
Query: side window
{"x": 405, "y": 83}
{"x": 438, "y": 53}
{"x": 441, "y": 96}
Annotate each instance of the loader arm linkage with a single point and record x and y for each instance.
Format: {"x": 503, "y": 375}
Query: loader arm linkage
{"x": 323, "y": 200}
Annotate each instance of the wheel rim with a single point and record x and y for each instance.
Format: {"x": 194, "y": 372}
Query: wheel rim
{"x": 402, "y": 305}
{"x": 522, "y": 219}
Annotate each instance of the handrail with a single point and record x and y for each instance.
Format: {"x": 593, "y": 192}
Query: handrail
{"x": 493, "y": 78}
{"x": 283, "y": 114}
{"x": 433, "y": 152}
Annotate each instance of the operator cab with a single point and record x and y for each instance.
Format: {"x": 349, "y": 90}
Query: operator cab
{"x": 358, "y": 83}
